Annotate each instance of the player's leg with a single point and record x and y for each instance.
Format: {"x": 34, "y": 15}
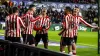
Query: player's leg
{"x": 45, "y": 40}
{"x": 6, "y": 37}
{"x": 62, "y": 49}
{"x": 37, "y": 39}
{"x": 31, "y": 40}
{"x": 74, "y": 48}
{"x": 69, "y": 42}
{"x": 62, "y": 45}
{"x": 24, "y": 38}
{"x": 74, "y": 45}
{"x": 70, "y": 49}
{"x": 75, "y": 39}
{"x": 46, "y": 45}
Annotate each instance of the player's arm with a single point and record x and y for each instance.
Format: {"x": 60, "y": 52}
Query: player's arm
{"x": 87, "y": 24}
{"x": 21, "y": 22}
{"x": 65, "y": 25}
{"x": 23, "y": 16}
{"x": 48, "y": 24}
{"x": 6, "y": 24}
{"x": 61, "y": 32}
{"x": 36, "y": 28}
{"x": 32, "y": 19}
{"x": 6, "y": 21}
{"x": 36, "y": 24}
{"x": 63, "y": 28}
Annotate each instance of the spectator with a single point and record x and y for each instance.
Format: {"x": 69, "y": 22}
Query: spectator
{"x": 90, "y": 15}
{"x": 72, "y": 1}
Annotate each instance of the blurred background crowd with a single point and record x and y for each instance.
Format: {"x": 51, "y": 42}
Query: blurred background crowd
{"x": 90, "y": 15}
{"x": 70, "y": 1}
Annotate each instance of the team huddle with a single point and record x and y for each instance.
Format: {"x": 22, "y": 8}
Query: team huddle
{"x": 17, "y": 27}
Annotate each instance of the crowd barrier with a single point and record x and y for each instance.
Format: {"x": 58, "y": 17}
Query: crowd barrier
{"x": 8, "y": 48}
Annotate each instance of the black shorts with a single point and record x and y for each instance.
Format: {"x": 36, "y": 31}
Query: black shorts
{"x": 44, "y": 38}
{"x": 14, "y": 39}
{"x": 28, "y": 38}
{"x": 66, "y": 41}
{"x": 75, "y": 39}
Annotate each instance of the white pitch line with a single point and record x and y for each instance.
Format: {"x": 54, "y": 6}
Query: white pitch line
{"x": 77, "y": 43}
{"x": 86, "y": 44}
{"x": 50, "y": 44}
{"x": 81, "y": 44}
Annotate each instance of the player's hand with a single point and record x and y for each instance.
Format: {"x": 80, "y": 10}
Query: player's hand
{"x": 98, "y": 28}
{"x": 59, "y": 34}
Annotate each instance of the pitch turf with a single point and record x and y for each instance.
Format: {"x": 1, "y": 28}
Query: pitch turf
{"x": 87, "y": 41}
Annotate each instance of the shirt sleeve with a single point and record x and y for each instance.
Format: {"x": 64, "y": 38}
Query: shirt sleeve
{"x": 36, "y": 26}
{"x": 7, "y": 21}
{"x": 66, "y": 22}
{"x": 21, "y": 22}
{"x": 23, "y": 16}
{"x": 6, "y": 24}
{"x": 32, "y": 19}
{"x": 48, "y": 24}
{"x": 87, "y": 24}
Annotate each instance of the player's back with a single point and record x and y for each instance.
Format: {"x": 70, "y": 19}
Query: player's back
{"x": 13, "y": 25}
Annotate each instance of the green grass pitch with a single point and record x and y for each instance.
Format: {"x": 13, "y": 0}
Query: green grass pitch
{"x": 87, "y": 39}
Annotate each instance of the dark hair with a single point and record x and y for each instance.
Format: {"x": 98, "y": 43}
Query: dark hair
{"x": 42, "y": 10}
{"x": 76, "y": 7}
{"x": 15, "y": 9}
{"x": 10, "y": 10}
{"x": 68, "y": 9}
{"x": 31, "y": 6}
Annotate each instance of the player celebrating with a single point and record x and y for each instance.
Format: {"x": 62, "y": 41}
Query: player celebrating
{"x": 29, "y": 21}
{"x": 13, "y": 26}
{"x": 67, "y": 32}
{"x": 77, "y": 20}
{"x": 43, "y": 22}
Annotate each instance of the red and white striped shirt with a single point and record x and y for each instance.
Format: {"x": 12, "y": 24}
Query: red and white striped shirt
{"x": 68, "y": 25}
{"x": 29, "y": 21}
{"x": 71, "y": 32}
{"x": 13, "y": 26}
{"x": 43, "y": 21}
{"x": 77, "y": 20}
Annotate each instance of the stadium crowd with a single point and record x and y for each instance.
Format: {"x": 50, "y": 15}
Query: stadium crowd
{"x": 71, "y": 1}
{"x": 89, "y": 15}
{"x": 56, "y": 16}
